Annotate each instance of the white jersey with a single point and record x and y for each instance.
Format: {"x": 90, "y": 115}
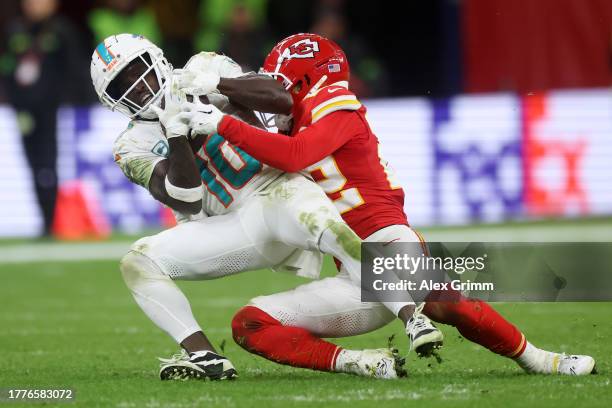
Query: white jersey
{"x": 229, "y": 175}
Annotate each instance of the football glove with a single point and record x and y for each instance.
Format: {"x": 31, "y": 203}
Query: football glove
{"x": 204, "y": 118}
{"x": 196, "y": 82}
{"x": 173, "y": 119}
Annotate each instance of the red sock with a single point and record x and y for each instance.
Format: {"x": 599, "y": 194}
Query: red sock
{"x": 476, "y": 321}
{"x": 259, "y": 333}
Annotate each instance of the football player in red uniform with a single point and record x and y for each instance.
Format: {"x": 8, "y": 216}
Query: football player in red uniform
{"x": 331, "y": 139}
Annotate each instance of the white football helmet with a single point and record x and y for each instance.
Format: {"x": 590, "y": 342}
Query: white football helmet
{"x": 115, "y": 53}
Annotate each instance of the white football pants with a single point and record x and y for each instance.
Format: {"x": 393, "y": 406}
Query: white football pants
{"x": 291, "y": 213}
{"x": 332, "y": 307}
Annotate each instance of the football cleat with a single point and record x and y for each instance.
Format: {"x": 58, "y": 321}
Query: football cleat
{"x": 200, "y": 365}
{"x": 377, "y": 363}
{"x": 559, "y": 363}
{"x": 575, "y": 365}
{"x": 424, "y": 337}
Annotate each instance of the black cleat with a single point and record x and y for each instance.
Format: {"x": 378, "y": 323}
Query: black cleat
{"x": 200, "y": 365}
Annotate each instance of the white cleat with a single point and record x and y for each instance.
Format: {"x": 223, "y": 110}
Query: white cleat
{"x": 424, "y": 337}
{"x": 575, "y": 365}
{"x": 547, "y": 362}
{"x": 201, "y": 365}
{"x": 377, "y": 363}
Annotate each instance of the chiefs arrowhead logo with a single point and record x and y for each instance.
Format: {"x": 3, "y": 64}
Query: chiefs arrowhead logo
{"x": 305, "y": 48}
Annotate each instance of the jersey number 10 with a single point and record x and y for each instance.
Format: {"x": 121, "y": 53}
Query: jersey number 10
{"x": 233, "y": 166}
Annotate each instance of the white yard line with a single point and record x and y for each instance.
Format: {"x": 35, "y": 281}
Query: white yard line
{"x": 60, "y": 251}
{"x": 523, "y": 233}
{"x": 90, "y": 251}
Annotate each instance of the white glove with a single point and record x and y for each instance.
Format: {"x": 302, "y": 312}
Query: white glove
{"x": 175, "y": 121}
{"x": 195, "y": 82}
{"x": 204, "y": 119}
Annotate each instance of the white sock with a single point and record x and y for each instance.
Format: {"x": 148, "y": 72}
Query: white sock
{"x": 158, "y": 297}
{"x": 345, "y": 360}
{"x": 535, "y": 360}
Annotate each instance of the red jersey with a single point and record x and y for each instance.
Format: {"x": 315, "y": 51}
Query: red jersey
{"x": 331, "y": 140}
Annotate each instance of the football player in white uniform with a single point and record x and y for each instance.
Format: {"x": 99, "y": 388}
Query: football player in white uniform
{"x": 234, "y": 213}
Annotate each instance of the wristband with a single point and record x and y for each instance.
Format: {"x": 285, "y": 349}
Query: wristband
{"x": 187, "y": 195}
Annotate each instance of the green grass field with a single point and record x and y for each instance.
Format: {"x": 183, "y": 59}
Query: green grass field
{"x": 74, "y": 325}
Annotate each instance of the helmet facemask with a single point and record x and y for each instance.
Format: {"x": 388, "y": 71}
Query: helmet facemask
{"x": 135, "y": 97}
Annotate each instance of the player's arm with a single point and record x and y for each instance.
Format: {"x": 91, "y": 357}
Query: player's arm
{"x": 176, "y": 181}
{"x": 257, "y": 92}
{"x": 207, "y": 73}
{"x": 295, "y": 153}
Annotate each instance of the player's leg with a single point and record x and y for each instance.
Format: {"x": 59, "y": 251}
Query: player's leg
{"x": 193, "y": 250}
{"x": 299, "y": 213}
{"x": 423, "y": 335}
{"x": 287, "y": 328}
{"x": 164, "y": 303}
{"x": 477, "y": 321}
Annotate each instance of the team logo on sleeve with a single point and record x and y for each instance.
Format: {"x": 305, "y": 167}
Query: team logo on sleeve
{"x": 161, "y": 149}
{"x": 305, "y": 48}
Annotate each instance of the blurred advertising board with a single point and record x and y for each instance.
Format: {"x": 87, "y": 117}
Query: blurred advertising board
{"x": 461, "y": 160}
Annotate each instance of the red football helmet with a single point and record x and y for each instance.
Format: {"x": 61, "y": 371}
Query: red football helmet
{"x": 305, "y": 62}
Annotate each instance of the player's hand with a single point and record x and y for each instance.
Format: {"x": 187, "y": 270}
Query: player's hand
{"x": 196, "y": 82}
{"x": 204, "y": 119}
{"x": 175, "y": 121}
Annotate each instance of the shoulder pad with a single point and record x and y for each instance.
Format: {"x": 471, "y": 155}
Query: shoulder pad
{"x": 332, "y": 98}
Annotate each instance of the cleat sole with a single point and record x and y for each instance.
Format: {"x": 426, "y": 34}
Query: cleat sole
{"x": 187, "y": 373}
{"x": 428, "y": 349}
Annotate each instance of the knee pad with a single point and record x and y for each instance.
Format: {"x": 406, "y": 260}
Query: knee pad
{"x": 136, "y": 268}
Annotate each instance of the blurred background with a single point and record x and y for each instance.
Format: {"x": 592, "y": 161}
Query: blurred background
{"x": 489, "y": 110}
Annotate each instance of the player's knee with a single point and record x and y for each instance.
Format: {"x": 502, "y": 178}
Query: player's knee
{"x": 136, "y": 267}
{"x": 454, "y": 310}
{"x": 249, "y": 320}
{"x": 346, "y": 237}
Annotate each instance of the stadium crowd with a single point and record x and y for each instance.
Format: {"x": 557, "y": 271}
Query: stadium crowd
{"x": 244, "y": 29}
